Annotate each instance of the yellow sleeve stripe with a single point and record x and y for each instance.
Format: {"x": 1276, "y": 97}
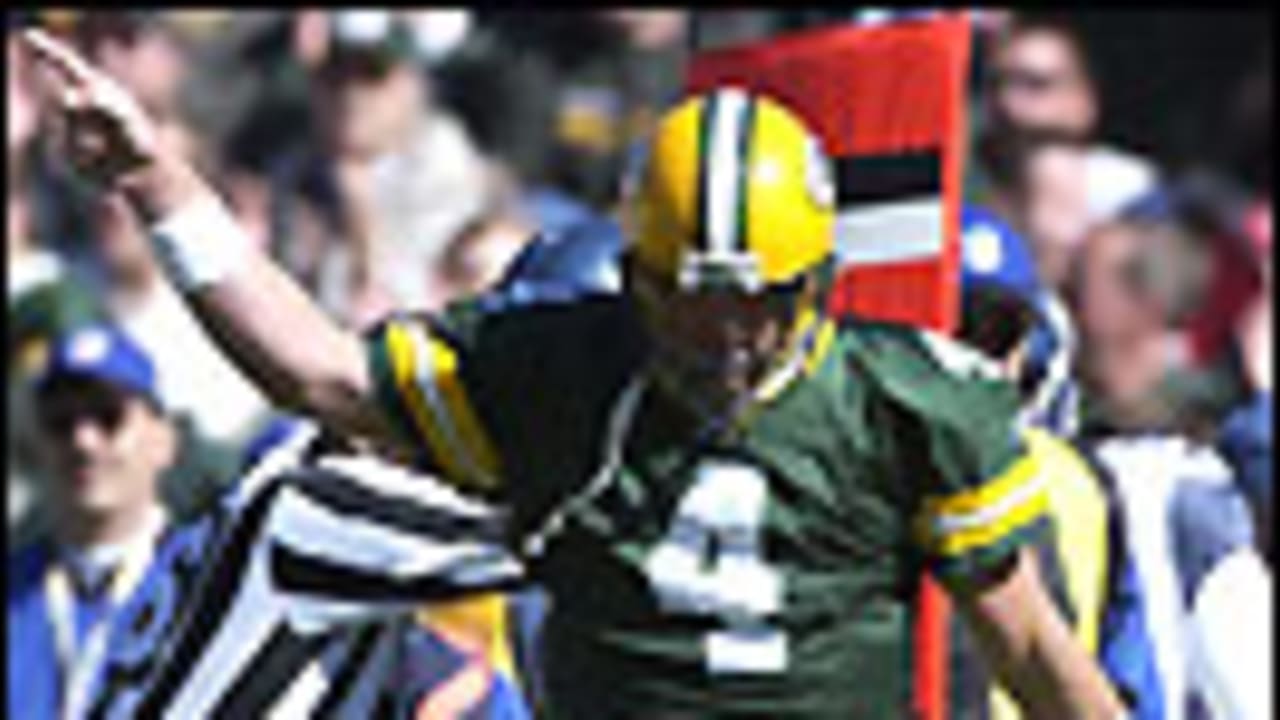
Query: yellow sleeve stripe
{"x": 960, "y": 541}
{"x": 978, "y": 517}
{"x": 987, "y": 494}
{"x": 400, "y": 350}
{"x": 429, "y": 386}
{"x": 450, "y": 397}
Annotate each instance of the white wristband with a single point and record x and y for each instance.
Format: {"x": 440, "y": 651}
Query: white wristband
{"x": 199, "y": 244}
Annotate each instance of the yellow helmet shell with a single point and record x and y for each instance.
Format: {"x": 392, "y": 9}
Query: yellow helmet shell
{"x": 734, "y": 189}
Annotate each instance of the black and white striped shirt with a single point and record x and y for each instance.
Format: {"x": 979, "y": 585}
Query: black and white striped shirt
{"x": 314, "y": 563}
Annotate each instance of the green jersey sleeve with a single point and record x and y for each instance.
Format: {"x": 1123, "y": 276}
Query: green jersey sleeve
{"x": 419, "y": 381}
{"x": 491, "y": 400}
{"x": 978, "y": 491}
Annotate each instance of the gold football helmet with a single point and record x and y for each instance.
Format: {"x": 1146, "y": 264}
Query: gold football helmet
{"x": 734, "y": 199}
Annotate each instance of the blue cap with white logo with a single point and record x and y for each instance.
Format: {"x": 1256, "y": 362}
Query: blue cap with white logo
{"x": 995, "y": 257}
{"x": 105, "y": 353}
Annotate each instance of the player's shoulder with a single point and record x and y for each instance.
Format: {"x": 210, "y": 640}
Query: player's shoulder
{"x": 924, "y": 373}
{"x": 896, "y": 354}
{"x": 586, "y": 318}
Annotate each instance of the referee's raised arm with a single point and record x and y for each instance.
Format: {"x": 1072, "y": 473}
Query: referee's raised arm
{"x": 298, "y": 356}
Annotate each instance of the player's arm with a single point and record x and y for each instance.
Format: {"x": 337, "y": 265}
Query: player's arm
{"x": 983, "y": 503}
{"x": 258, "y": 315}
{"x": 1029, "y": 646}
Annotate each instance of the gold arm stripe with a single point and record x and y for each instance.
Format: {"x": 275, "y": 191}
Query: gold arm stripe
{"x": 987, "y": 495}
{"x": 959, "y": 542}
{"x": 400, "y": 350}
{"x": 415, "y": 373}
{"x": 475, "y": 447}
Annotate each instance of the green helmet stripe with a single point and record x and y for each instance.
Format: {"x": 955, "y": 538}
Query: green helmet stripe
{"x": 745, "y": 136}
{"x": 705, "y": 124}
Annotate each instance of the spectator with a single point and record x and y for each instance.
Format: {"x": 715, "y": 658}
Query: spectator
{"x": 1039, "y": 79}
{"x": 143, "y": 50}
{"x": 1127, "y": 345}
{"x": 1038, "y": 184}
{"x": 1192, "y": 534}
{"x": 107, "y": 440}
{"x": 281, "y": 56}
{"x": 44, "y": 299}
{"x": 502, "y": 90}
{"x": 1247, "y": 442}
{"x": 1186, "y": 261}
{"x": 602, "y": 79}
{"x": 1247, "y": 435}
{"x": 1196, "y": 557}
{"x": 402, "y": 171}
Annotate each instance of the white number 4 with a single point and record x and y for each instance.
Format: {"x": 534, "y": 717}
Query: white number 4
{"x": 711, "y": 563}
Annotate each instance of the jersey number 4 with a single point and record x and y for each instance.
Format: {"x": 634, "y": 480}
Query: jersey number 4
{"x": 710, "y": 562}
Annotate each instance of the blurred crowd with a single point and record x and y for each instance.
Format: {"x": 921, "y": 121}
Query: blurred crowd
{"x": 403, "y": 159}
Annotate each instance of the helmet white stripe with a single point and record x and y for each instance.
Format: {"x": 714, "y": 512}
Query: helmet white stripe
{"x": 721, "y": 192}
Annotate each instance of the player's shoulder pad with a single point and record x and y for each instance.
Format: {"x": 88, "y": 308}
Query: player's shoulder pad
{"x": 922, "y": 369}
{"x": 898, "y": 349}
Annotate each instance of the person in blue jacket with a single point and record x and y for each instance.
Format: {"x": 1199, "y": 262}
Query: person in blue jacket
{"x": 107, "y": 439}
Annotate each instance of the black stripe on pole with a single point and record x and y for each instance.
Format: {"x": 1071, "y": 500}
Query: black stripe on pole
{"x": 869, "y": 179}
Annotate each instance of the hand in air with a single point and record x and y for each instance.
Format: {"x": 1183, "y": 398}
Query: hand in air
{"x": 102, "y": 130}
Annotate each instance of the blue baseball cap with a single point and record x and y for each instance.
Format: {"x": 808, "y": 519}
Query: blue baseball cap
{"x": 102, "y": 352}
{"x": 995, "y": 257}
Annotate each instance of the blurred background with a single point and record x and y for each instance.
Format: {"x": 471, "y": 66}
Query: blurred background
{"x": 402, "y": 159}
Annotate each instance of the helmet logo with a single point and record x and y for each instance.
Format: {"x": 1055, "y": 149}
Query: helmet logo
{"x": 818, "y": 176}
{"x": 982, "y": 249}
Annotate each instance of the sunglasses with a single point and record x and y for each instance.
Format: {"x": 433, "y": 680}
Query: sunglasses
{"x": 64, "y": 404}
{"x": 1029, "y": 80}
{"x": 359, "y": 65}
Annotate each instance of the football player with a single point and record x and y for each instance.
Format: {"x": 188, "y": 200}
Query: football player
{"x": 727, "y": 492}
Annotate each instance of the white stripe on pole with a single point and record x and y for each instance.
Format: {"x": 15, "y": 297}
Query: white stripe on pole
{"x": 892, "y": 232}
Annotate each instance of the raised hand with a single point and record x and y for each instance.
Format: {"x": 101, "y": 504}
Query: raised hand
{"x": 104, "y": 132}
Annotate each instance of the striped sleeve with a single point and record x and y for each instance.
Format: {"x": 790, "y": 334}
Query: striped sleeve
{"x": 985, "y": 494}
{"x": 422, "y": 389}
{"x": 311, "y": 568}
{"x": 354, "y": 537}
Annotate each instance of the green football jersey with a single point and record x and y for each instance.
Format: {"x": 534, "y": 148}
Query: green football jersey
{"x": 762, "y": 569}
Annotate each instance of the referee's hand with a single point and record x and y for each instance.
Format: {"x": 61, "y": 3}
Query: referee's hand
{"x": 101, "y": 129}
